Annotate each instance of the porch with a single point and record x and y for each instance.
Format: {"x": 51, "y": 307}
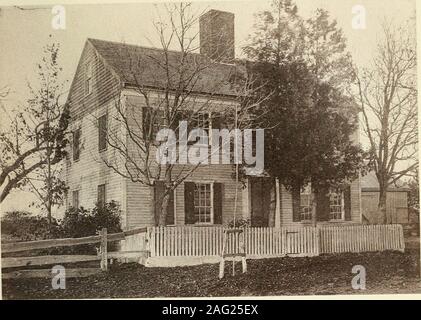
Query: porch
{"x": 191, "y": 245}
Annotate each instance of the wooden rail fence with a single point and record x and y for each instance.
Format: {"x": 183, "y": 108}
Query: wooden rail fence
{"x": 103, "y": 238}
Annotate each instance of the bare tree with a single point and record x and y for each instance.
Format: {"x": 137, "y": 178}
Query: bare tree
{"x": 388, "y": 98}
{"x": 182, "y": 96}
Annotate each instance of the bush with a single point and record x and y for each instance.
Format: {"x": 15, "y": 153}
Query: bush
{"x": 82, "y": 223}
{"x": 77, "y": 223}
{"x": 239, "y": 223}
{"x": 23, "y": 226}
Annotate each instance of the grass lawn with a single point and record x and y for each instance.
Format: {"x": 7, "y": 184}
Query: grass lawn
{"x": 387, "y": 272}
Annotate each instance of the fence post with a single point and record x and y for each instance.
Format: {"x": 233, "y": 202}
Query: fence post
{"x": 103, "y": 249}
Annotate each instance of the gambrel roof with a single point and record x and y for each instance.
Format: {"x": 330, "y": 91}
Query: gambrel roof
{"x": 137, "y": 65}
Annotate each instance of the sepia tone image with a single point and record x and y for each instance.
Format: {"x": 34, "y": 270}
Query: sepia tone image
{"x": 209, "y": 149}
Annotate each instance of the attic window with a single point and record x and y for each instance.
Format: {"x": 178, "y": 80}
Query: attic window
{"x": 88, "y": 78}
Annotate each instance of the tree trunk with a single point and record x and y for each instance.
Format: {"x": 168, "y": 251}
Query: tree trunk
{"x": 162, "y": 221}
{"x": 313, "y": 209}
{"x": 164, "y": 209}
{"x": 272, "y": 205}
{"x": 382, "y": 204}
{"x": 49, "y": 187}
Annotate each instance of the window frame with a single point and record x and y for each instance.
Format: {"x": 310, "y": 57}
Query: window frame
{"x": 331, "y": 192}
{"x": 207, "y": 129}
{"x": 75, "y": 192}
{"x": 307, "y": 192}
{"x": 101, "y": 202}
{"x": 211, "y": 204}
{"x": 342, "y": 205}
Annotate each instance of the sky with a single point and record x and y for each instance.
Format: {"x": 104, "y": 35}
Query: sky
{"x": 24, "y": 33}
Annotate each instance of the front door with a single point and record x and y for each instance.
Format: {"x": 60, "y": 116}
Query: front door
{"x": 260, "y": 201}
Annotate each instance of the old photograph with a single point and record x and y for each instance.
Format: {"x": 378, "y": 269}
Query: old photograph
{"x": 209, "y": 149}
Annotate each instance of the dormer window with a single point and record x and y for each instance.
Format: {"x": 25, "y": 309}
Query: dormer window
{"x": 88, "y": 78}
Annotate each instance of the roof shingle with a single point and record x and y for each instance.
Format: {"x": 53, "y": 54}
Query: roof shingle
{"x": 137, "y": 65}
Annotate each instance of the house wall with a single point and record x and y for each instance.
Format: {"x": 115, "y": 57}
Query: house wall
{"x": 106, "y": 84}
{"x": 396, "y": 206}
{"x": 140, "y": 196}
{"x": 286, "y": 207}
{"x": 90, "y": 170}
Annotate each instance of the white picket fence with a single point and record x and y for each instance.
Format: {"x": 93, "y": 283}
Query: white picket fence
{"x": 194, "y": 241}
{"x": 361, "y": 238}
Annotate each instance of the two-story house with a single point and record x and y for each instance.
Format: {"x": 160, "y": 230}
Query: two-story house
{"x": 207, "y": 196}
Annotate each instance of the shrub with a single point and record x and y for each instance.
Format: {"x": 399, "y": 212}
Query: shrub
{"x": 239, "y": 223}
{"x": 82, "y": 223}
{"x": 24, "y": 226}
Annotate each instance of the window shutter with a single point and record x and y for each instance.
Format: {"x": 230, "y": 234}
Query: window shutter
{"x": 347, "y": 202}
{"x": 76, "y": 144}
{"x": 170, "y": 213}
{"x": 216, "y": 120}
{"x": 158, "y": 193}
{"x": 217, "y": 203}
{"x": 296, "y": 201}
{"x": 101, "y": 195}
{"x": 322, "y": 205}
{"x": 189, "y": 202}
{"x": 102, "y": 133}
{"x": 146, "y": 122}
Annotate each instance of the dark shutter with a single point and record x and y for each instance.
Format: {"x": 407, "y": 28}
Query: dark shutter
{"x": 102, "y": 133}
{"x": 217, "y": 203}
{"x": 347, "y": 202}
{"x": 159, "y": 190}
{"x": 322, "y": 205}
{"x": 101, "y": 195}
{"x": 216, "y": 120}
{"x": 189, "y": 203}
{"x": 146, "y": 122}
{"x": 296, "y": 201}
{"x": 170, "y": 213}
{"x": 76, "y": 144}
{"x": 158, "y": 194}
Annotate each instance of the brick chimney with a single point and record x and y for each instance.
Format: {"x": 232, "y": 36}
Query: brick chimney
{"x": 217, "y": 35}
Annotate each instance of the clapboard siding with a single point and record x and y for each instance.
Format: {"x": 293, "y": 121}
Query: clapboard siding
{"x": 90, "y": 170}
{"x": 105, "y": 84}
{"x": 140, "y": 199}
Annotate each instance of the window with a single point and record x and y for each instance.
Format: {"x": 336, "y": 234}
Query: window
{"x": 101, "y": 195}
{"x": 336, "y": 206}
{"x": 102, "y": 133}
{"x": 76, "y": 144}
{"x": 154, "y": 118}
{"x": 202, "y": 120}
{"x": 75, "y": 199}
{"x": 88, "y": 78}
{"x": 305, "y": 203}
{"x": 202, "y": 203}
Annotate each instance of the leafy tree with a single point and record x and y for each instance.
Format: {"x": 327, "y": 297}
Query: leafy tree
{"x": 34, "y": 145}
{"x": 310, "y": 119}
